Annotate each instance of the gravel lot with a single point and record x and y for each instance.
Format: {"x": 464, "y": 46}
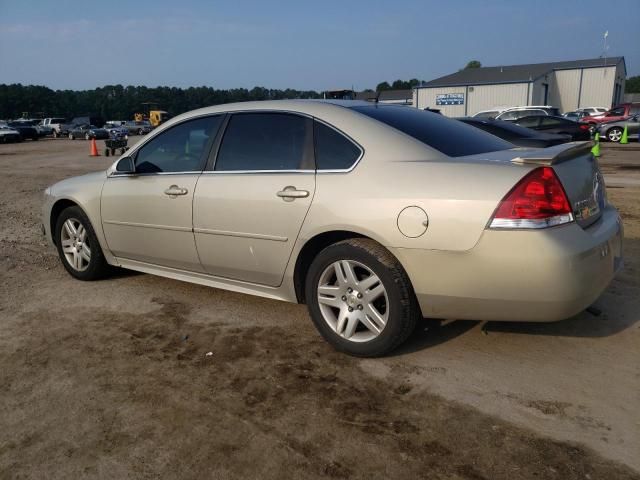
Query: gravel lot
{"x": 110, "y": 379}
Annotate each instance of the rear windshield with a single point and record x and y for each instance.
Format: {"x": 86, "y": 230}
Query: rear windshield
{"x": 451, "y": 137}
{"x": 502, "y": 128}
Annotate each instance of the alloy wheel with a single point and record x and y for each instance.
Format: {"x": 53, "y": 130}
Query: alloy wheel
{"x": 75, "y": 244}
{"x": 353, "y": 301}
{"x": 614, "y": 135}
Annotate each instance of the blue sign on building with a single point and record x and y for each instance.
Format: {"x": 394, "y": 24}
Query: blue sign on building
{"x": 450, "y": 99}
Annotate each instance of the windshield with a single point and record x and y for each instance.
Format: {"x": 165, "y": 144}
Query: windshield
{"x": 451, "y": 137}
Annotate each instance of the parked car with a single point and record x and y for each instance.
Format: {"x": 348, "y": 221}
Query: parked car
{"x": 58, "y": 124}
{"x": 88, "y": 132}
{"x": 138, "y": 128}
{"x": 619, "y": 112}
{"x": 513, "y": 113}
{"x": 612, "y": 131}
{"x": 89, "y": 120}
{"x": 519, "y": 136}
{"x": 593, "y": 111}
{"x": 9, "y": 135}
{"x": 116, "y": 130}
{"x": 554, "y": 124}
{"x": 373, "y": 215}
{"x": 26, "y": 131}
{"x": 575, "y": 116}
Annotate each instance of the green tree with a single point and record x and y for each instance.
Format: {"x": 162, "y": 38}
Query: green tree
{"x": 473, "y": 64}
{"x": 383, "y": 86}
{"x": 632, "y": 85}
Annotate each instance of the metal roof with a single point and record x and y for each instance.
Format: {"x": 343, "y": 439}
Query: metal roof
{"x": 386, "y": 95}
{"x": 516, "y": 73}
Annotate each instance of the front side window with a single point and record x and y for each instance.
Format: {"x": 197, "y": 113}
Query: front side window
{"x": 333, "y": 150}
{"x": 266, "y": 141}
{"x": 179, "y": 149}
{"x": 449, "y": 136}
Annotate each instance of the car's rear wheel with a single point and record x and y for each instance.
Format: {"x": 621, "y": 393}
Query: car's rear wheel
{"x": 614, "y": 134}
{"x": 360, "y": 298}
{"x": 78, "y": 246}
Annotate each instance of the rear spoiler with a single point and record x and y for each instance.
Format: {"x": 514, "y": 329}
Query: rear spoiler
{"x": 555, "y": 154}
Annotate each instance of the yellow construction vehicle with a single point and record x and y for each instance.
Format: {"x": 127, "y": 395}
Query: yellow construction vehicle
{"x": 154, "y": 117}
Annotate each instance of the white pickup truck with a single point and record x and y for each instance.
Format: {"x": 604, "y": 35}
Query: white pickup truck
{"x": 59, "y": 126}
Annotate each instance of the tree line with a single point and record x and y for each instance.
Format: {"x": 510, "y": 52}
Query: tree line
{"x": 120, "y": 102}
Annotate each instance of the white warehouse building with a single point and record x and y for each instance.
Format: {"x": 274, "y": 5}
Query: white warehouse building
{"x": 597, "y": 82}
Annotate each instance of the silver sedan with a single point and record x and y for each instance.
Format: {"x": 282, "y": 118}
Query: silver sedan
{"x": 373, "y": 215}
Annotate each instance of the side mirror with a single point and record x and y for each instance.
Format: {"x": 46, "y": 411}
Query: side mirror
{"x": 125, "y": 165}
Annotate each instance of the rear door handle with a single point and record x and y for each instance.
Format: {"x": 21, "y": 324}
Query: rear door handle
{"x": 290, "y": 193}
{"x": 175, "y": 190}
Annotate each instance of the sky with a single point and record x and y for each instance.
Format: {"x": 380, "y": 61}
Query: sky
{"x": 297, "y": 44}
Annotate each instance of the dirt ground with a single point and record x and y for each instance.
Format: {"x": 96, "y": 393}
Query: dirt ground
{"x": 111, "y": 379}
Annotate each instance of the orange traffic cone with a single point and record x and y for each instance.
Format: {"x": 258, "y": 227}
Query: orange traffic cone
{"x": 94, "y": 149}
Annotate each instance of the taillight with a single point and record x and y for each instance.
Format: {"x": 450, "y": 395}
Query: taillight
{"x": 584, "y": 126}
{"x": 537, "y": 201}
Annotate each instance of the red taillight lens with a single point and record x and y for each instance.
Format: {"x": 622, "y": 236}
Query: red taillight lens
{"x": 584, "y": 126}
{"x": 537, "y": 201}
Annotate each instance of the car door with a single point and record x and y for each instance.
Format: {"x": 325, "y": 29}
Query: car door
{"x": 250, "y": 205}
{"x": 147, "y": 216}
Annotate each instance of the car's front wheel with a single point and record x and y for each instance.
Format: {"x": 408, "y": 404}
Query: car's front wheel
{"x": 78, "y": 246}
{"x": 614, "y": 134}
{"x": 360, "y": 298}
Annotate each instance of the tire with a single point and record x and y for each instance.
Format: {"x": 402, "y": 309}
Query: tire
{"x": 87, "y": 136}
{"x": 55, "y": 134}
{"x": 140, "y": 132}
{"x": 93, "y": 269}
{"x": 614, "y": 134}
{"x": 35, "y": 138}
{"x": 107, "y": 152}
{"x": 367, "y": 259}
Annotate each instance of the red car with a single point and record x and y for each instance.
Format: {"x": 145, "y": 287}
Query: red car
{"x": 619, "y": 112}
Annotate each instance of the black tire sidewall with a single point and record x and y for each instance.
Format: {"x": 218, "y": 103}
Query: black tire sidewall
{"x": 97, "y": 264}
{"x": 387, "y": 340}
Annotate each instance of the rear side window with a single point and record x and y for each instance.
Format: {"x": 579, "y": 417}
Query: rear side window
{"x": 552, "y": 122}
{"x": 451, "y": 137}
{"x": 266, "y": 141}
{"x": 333, "y": 150}
{"x": 529, "y": 122}
{"x": 179, "y": 149}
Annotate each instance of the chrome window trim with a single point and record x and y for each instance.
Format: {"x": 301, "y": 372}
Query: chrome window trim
{"x": 230, "y": 172}
{"x": 150, "y": 174}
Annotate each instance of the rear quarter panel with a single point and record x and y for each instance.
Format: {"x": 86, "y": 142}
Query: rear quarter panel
{"x": 459, "y": 196}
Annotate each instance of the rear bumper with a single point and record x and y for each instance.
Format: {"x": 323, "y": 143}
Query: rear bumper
{"x": 518, "y": 275}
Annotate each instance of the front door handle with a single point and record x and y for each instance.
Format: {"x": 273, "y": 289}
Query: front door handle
{"x": 290, "y": 193}
{"x": 175, "y": 190}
